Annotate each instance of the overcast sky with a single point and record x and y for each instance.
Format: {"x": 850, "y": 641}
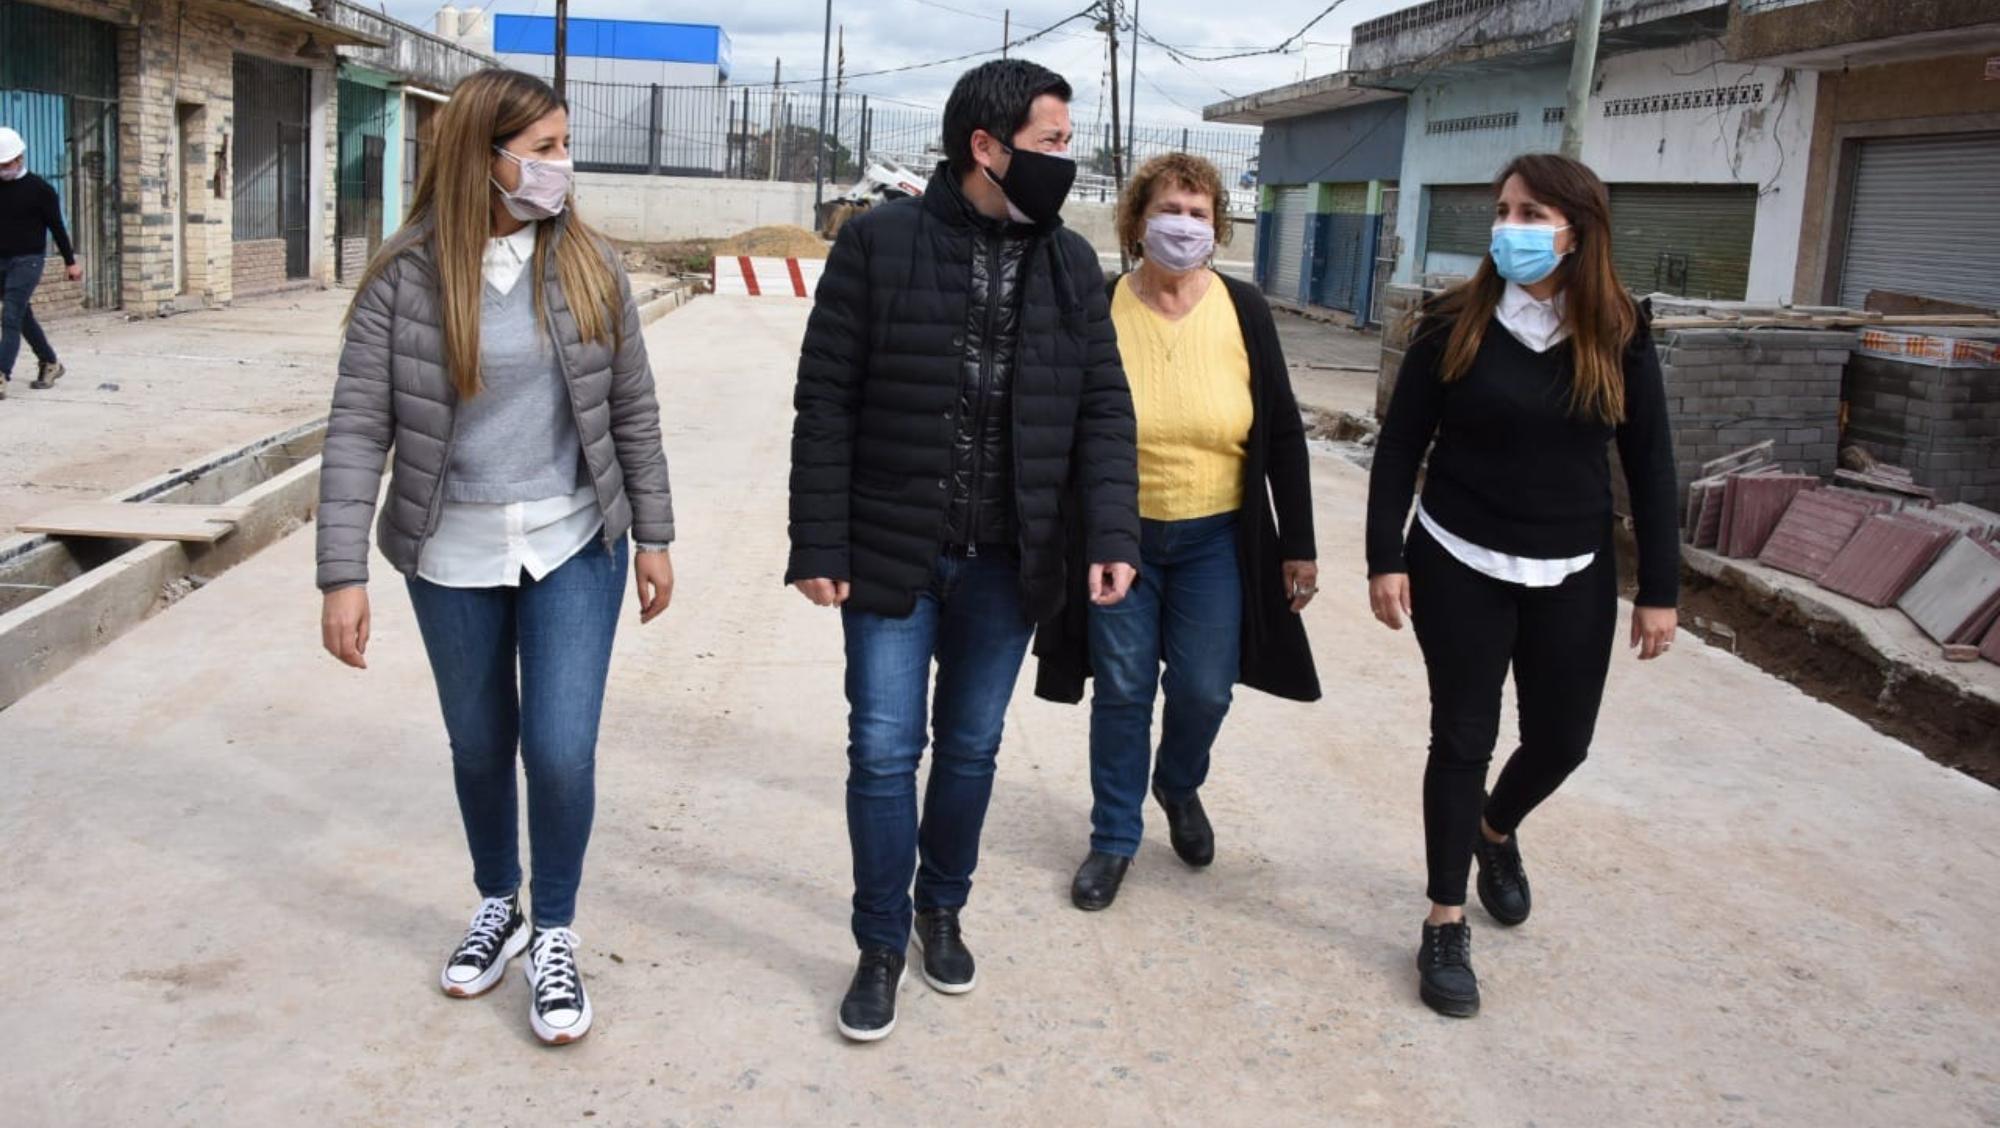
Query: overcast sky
{"x": 889, "y": 33}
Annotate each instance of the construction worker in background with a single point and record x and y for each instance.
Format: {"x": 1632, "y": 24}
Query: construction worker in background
{"x": 29, "y": 213}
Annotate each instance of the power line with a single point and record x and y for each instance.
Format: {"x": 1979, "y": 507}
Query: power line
{"x": 989, "y": 18}
{"x": 1022, "y": 41}
{"x": 1430, "y": 65}
{"x": 1283, "y": 46}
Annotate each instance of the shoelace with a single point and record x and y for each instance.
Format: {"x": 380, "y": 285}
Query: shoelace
{"x": 555, "y": 967}
{"x": 482, "y": 937}
{"x": 941, "y": 930}
{"x": 1504, "y": 862}
{"x": 878, "y": 966}
{"x": 1453, "y": 945}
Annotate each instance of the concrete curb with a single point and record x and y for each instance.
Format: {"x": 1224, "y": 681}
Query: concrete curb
{"x": 45, "y": 636}
{"x": 669, "y": 301}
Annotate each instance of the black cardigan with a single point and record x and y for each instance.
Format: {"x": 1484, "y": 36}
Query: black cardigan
{"x": 1513, "y": 468}
{"x": 1276, "y": 658}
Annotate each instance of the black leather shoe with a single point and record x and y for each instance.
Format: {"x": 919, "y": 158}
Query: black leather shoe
{"x": 1097, "y": 881}
{"x": 947, "y": 964}
{"x": 1503, "y": 884}
{"x": 1187, "y": 829}
{"x": 1444, "y": 970}
{"x": 868, "y": 1013}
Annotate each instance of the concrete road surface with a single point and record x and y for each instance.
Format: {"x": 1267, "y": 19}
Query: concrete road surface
{"x": 232, "y": 869}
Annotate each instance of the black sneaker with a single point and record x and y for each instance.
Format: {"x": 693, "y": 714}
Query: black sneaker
{"x": 559, "y": 1010}
{"x": 1503, "y": 884}
{"x": 1188, "y": 829}
{"x": 1444, "y": 970}
{"x": 947, "y": 963}
{"x": 497, "y": 934}
{"x": 1098, "y": 880}
{"x": 868, "y": 1013}
{"x": 47, "y": 373}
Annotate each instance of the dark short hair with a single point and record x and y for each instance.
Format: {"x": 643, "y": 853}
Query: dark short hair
{"x": 997, "y": 98}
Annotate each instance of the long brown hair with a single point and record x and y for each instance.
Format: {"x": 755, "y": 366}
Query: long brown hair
{"x": 452, "y": 213}
{"x": 1601, "y": 316}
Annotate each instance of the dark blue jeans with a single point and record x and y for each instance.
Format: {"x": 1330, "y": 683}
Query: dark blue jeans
{"x": 559, "y": 631}
{"x": 1187, "y": 609}
{"x": 18, "y": 278}
{"x": 971, "y": 620}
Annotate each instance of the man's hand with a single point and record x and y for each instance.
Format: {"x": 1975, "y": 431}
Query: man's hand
{"x": 824, "y": 593}
{"x": 1110, "y": 582}
{"x": 653, "y": 578}
{"x": 75, "y": 272}
{"x": 343, "y": 625}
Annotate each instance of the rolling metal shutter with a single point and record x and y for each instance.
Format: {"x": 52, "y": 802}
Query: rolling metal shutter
{"x": 1292, "y": 211}
{"x": 1687, "y": 239}
{"x": 1460, "y": 219}
{"x": 1925, "y": 220}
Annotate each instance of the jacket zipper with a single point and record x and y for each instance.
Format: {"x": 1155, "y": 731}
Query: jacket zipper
{"x": 575, "y": 420}
{"x": 994, "y": 288}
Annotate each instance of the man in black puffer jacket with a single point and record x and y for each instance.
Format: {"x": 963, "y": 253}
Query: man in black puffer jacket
{"x": 961, "y": 414}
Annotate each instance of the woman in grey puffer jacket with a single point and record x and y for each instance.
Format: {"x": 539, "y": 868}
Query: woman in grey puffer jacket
{"x": 495, "y": 348}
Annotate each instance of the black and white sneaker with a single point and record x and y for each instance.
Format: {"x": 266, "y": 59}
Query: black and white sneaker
{"x": 497, "y": 934}
{"x": 559, "y": 1011}
{"x": 946, "y": 962}
{"x": 868, "y": 1011}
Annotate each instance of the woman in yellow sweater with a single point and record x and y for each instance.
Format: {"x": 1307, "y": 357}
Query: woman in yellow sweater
{"x": 1221, "y": 582}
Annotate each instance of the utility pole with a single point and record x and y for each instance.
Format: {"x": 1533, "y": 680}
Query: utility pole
{"x": 1582, "y": 71}
{"x": 1132, "y": 101}
{"x": 777, "y": 92}
{"x": 562, "y": 50}
{"x": 1117, "y": 157}
{"x": 839, "y": 90}
{"x": 1006, "y": 30}
{"x": 819, "y": 150}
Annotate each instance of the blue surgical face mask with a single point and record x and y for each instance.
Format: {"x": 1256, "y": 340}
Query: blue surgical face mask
{"x": 1525, "y": 253}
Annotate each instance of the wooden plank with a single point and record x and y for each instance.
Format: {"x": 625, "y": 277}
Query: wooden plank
{"x": 126, "y": 520}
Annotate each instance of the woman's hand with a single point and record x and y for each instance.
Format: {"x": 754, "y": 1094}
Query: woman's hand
{"x": 343, "y": 625}
{"x": 1653, "y": 630}
{"x": 653, "y": 577}
{"x": 1301, "y": 583}
{"x": 1389, "y": 597}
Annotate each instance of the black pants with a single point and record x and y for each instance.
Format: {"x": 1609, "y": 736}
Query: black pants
{"x": 1472, "y": 628}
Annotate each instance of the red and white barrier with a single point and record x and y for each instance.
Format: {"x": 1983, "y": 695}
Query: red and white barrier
{"x": 767, "y": 277}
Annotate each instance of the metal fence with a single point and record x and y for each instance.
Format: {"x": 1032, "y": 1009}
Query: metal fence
{"x": 762, "y": 133}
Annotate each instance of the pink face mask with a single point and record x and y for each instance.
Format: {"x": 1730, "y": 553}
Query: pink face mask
{"x": 544, "y": 190}
{"x": 14, "y": 171}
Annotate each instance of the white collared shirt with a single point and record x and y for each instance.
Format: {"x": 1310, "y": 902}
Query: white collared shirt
{"x": 1538, "y": 325}
{"x": 483, "y": 545}
{"x": 1535, "y": 323}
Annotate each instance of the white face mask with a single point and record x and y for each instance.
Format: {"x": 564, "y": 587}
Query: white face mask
{"x": 14, "y": 171}
{"x": 544, "y": 189}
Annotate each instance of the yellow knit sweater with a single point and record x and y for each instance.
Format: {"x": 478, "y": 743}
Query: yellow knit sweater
{"x": 1191, "y": 388}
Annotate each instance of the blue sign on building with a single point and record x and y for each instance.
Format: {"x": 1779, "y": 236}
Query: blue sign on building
{"x": 638, "y": 40}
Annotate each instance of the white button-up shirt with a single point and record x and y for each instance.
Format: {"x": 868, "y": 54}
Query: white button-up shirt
{"x": 1539, "y": 325}
{"x": 479, "y": 545}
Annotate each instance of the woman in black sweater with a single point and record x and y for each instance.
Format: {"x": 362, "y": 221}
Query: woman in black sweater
{"x": 1517, "y": 381}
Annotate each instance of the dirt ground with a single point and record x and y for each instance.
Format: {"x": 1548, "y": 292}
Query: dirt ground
{"x": 693, "y": 256}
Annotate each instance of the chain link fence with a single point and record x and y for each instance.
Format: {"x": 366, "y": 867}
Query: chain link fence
{"x": 764, "y": 133}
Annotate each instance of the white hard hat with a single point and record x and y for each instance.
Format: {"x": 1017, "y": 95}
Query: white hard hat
{"x": 11, "y": 145}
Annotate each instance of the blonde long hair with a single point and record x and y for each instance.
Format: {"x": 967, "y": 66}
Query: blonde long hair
{"x": 1602, "y": 317}
{"x": 452, "y": 210}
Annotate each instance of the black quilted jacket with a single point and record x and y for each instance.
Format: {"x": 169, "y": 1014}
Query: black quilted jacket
{"x": 880, "y": 399}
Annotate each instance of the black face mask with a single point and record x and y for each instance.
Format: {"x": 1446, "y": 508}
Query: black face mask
{"x": 1036, "y": 184}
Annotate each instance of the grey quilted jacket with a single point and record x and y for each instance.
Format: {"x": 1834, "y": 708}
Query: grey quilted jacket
{"x": 394, "y": 393}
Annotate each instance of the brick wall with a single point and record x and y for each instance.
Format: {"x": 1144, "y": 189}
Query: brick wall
{"x": 1942, "y": 424}
{"x": 353, "y": 259}
{"x": 1730, "y": 388}
{"x": 57, "y": 297}
{"x": 258, "y": 267}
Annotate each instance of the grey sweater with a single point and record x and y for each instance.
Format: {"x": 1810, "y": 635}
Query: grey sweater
{"x": 517, "y": 438}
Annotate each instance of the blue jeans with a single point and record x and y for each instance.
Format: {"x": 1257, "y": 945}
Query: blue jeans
{"x": 1187, "y": 608}
{"x": 559, "y": 630}
{"x": 18, "y": 278}
{"x": 971, "y": 620}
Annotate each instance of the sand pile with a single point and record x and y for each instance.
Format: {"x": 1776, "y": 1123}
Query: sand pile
{"x": 780, "y": 241}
